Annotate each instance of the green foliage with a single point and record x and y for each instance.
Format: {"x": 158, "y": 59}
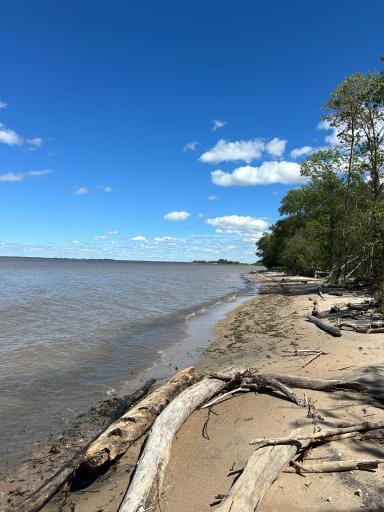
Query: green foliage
{"x": 335, "y": 221}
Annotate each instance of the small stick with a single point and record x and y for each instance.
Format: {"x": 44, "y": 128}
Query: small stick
{"x": 219, "y": 398}
{"x": 312, "y": 359}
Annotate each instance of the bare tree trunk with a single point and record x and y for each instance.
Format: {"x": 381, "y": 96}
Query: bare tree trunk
{"x": 143, "y": 493}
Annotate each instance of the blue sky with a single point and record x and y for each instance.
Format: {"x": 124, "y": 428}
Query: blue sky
{"x": 164, "y": 130}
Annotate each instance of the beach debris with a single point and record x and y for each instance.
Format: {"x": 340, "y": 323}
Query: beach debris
{"x": 44, "y": 493}
{"x": 324, "y": 436}
{"x": 331, "y": 329}
{"x": 261, "y": 470}
{"x": 359, "y": 492}
{"x": 119, "y": 436}
{"x": 334, "y": 466}
{"x": 294, "y": 381}
{"x": 143, "y": 491}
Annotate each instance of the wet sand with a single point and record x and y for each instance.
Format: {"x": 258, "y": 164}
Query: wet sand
{"x": 258, "y": 334}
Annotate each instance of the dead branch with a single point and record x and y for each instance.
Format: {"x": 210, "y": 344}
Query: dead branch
{"x": 331, "y": 329}
{"x": 326, "y": 435}
{"x": 142, "y": 494}
{"x": 261, "y": 470}
{"x": 335, "y": 465}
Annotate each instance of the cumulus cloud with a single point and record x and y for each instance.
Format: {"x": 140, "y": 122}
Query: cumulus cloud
{"x": 21, "y": 176}
{"x": 217, "y": 124}
{"x": 3, "y": 104}
{"x": 177, "y": 216}
{"x": 138, "y": 238}
{"x": 191, "y": 146}
{"x": 276, "y": 147}
{"x": 266, "y": 174}
{"x": 243, "y": 150}
{"x": 10, "y": 137}
{"x": 237, "y": 224}
{"x": 81, "y": 191}
{"x": 303, "y": 151}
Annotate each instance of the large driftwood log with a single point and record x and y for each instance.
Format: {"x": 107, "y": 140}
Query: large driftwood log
{"x": 294, "y": 381}
{"x": 331, "y": 329}
{"x": 261, "y": 470}
{"x": 325, "y": 435}
{"x": 334, "y": 466}
{"x": 44, "y": 493}
{"x": 114, "y": 441}
{"x": 142, "y": 494}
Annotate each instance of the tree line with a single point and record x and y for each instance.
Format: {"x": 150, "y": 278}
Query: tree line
{"x": 334, "y": 222}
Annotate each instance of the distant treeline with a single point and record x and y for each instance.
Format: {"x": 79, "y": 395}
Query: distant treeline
{"x": 221, "y": 261}
{"x": 334, "y": 222}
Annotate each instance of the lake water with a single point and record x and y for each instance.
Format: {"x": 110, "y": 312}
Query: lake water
{"x": 73, "y": 330}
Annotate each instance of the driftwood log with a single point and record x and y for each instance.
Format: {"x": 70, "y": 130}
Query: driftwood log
{"x": 261, "y": 470}
{"x": 44, "y": 493}
{"x": 333, "y": 466}
{"x": 114, "y": 441}
{"x": 143, "y": 492}
{"x": 331, "y": 329}
{"x": 293, "y": 380}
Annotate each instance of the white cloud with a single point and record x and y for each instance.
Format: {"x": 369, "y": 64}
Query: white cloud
{"x": 266, "y": 174}
{"x": 3, "y": 104}
{"x": 99, "y": 237}
{"x": 303, "y": 151}
{"x": 81, "y": 191}
{"x": 237, "y": 224}
{"x": 226, "y": 151}
{"x": 10, "y": 137}
{"x": 201, "y": 215}
{"x": 191, "y": 146}
{"x": 112, "y": 232}
{"x": 243, "y": 150}
{"x": 332, "y": 138}
{"x": 212, "y": 198}
{"x": 276, "y": 147}
{"x": 138, "y": 238}
{"x": 36, "y": 142}
{"x": 108, "y": 189}
{"x": 177, "y": 216}
{"x": 217, "y": 124}
{"x": 15, "y": 177}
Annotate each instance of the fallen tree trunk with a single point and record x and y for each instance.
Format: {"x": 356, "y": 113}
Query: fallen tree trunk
{"x": 114, "y": 441}
{"x": 331, "y": 329}
{"x": 143, "y": 492}
{"x": 261, "y": 470}
{"x": 325, "y": 435}
{"x": 44, "y": 493}
{"x": 296, "y": 381}
{"x": 334, "y": 466}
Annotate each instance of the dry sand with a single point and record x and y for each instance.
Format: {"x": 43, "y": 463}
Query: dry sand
{"x": 258, "y": 334}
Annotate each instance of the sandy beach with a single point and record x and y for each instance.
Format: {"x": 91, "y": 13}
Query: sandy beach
{"x": 261, "y": 333}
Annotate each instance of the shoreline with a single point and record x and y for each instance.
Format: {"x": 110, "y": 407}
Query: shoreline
{"x": 195, "y": 332}
{"x": 257, "y": 334}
